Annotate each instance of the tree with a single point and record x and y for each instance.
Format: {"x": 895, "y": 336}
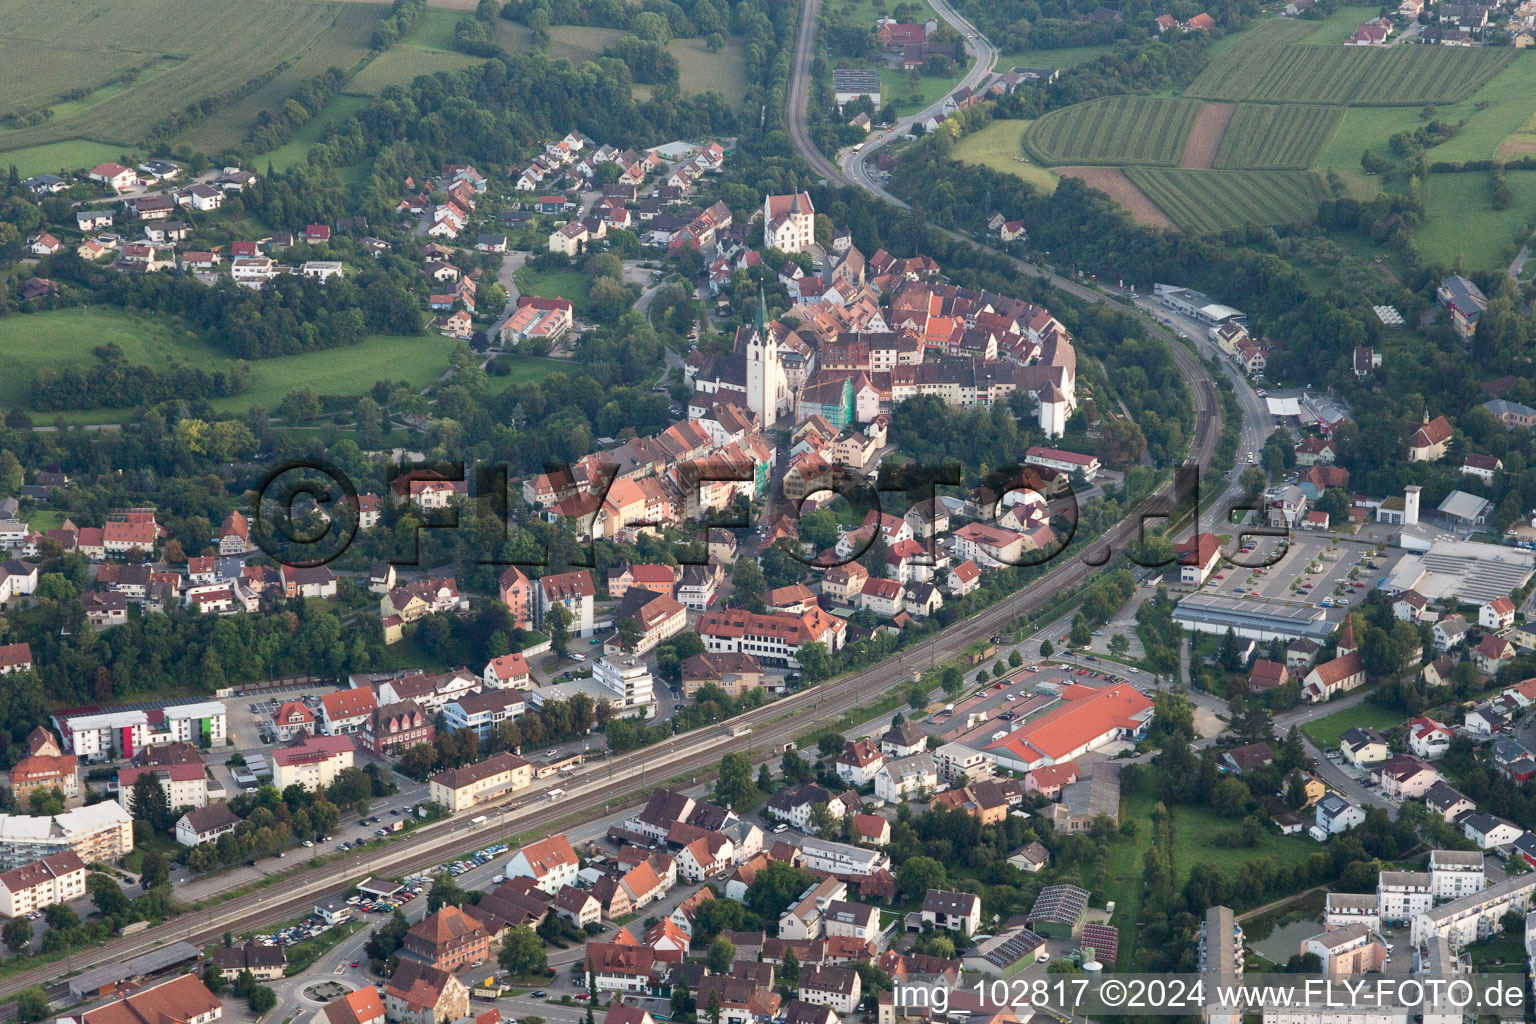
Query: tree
{"x": 262, "y": 999}
{"x": 444, "y": 892}
{"x": 17, "y": 934}
{"x": 32, "y": 1004}
{"x": 794, "y": 769}
{"x": 918, "y": 875}
{"x": 722, "y": 954}
{"x": 713, "y": 1009}
{"x": 789, "y": 968}
{"x": 815, "y": 661}
{"x": 764, "y": 780}
{"x": 1230, "y": 798}
{"x": 1082, "y": 632}
{"x": 153, "y": 869}
{"x": 1015, "y": 659}
{"x": 1119, "y": 645}
{"x": 1046, "y": 648}
{"x": 523, "y": 953}
{"x": 108, "y": 898}
{"x": 559, "y": 622}
{"x": 214, "y": 980}
{"x": 148, "y": 802}
{"x": 630, "y": 633}
{"x": 748, "y": 585}
{"x": 683, "y": 1006}
{"x": 734, "y": 786}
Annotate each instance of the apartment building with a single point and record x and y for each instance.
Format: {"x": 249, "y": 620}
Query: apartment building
{"x": 42, "y": 883}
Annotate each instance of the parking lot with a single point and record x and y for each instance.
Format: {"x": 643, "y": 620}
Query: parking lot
{"x": 1311, "y": 569}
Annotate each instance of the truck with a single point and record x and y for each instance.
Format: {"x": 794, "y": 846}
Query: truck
{"x": 396, "y": 826}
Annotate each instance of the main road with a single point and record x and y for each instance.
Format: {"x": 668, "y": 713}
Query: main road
{"x": 623, "y": 780}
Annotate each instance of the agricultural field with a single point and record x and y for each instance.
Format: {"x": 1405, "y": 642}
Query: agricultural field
{"x": 1408, "y": 75}
{"x": 1117, "y": 130}
{"x": 66, "y": 337}
{"x": 180, "y": 51}
{"x": 1236, "y": 59}
{"x": 998, "y": 146}
{"x": 701, "y": 71}
{"x": 1276, "y": 135}
{"x": 1271, "y": 66}
{"x": 1208, "y": 202}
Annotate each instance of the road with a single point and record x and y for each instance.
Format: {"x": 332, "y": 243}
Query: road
{"x": 984, "y": 55}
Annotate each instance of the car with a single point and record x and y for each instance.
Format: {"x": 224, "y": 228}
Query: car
{"x": 780, "y": 828}
{"x": 308, "y": 844}
{"x": 583, "y": 996}
{"x": 538, "y": 994}
{"x": 578, "y": 656}
{"x": 1220, "y": 576}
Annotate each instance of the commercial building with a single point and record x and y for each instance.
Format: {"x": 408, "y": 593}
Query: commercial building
{"x": 1251, "y": 619}
{"x": 183, "y": 999}
{"x": 1088, "y": 718}
{"x": 97, "y": 735}
{"x": 774, "y": 638}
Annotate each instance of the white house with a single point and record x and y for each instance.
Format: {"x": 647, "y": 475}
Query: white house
{"x": 551, "y": 863}
{"x": 859, "y": 762}
{"x": 906, "y": 778}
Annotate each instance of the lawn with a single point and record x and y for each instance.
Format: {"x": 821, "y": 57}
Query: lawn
{"x": 434, "y": 31}
{"x": 1325, "y": 732}
{"x": 401, "y": 65}
{"x": 294, "y": 151}
{"x": 1459, "y": 219}
{"x": 76, "y": 154}
{"x": 554, "y": 284}
{"x": 998, "y": 146}
{"x": 261, "y": 51}
{"x": 66, "y": 337}
{"x": 1066, "y": 57}
{"x": 1194, "y": 829}
{"x": 701, "y": 71}
{"x": 577, "y": 43}
{"x": 530, "y": 368}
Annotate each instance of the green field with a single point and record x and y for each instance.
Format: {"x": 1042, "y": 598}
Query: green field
{"x": 1274, "y": 135}
{"x": 1194, "y": 833}
{"x": 401, "y": 65}
{"x": 1325, "y": 732}
{"x": 577, "y": 43}
{"x": 1061, "y": 59}
{"x": 530, "y": 368}
{"x": 1338, "y": 26}
{"x": 1236, "y": 59}
{"x": 1115, "y": 130}
{"x": 297, "y": 148}
{"x": 1270, "y": 66}
{"x": 998, "y": 146}
{"x": 185, "y": 51}
{"x": 1459, "y": 219}
{"x": 701, "y": 71}
{"x": 554, "y": 284}
{"x": 1412, "y": 75}
{"x": 1207, "y": 202}
{"x": 66, "y": 337}
{"x": 76, "y": 154}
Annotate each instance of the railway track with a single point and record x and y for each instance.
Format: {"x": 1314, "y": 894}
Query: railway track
{"x": 619, "y": 782}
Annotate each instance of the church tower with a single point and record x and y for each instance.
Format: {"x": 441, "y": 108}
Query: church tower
{"x": 767, "y": 386}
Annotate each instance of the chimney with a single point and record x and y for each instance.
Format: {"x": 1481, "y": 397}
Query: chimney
{"x": 1411, "y": 505}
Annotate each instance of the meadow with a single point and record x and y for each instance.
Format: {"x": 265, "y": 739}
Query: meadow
{"x": 76, "y": 154}
{"x": 184, "y": 50}
{"x": 554, "y": 284}
{"x": 1273, "y": 135}
{"x": 1208, "y": 202}
{"x": 1325, "y": 732}
{"x": 1115, "y": 130}
{"x": 1459, "y": 219}
{"x": 997, "y": 146}
{"x": 66, "y": 337}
